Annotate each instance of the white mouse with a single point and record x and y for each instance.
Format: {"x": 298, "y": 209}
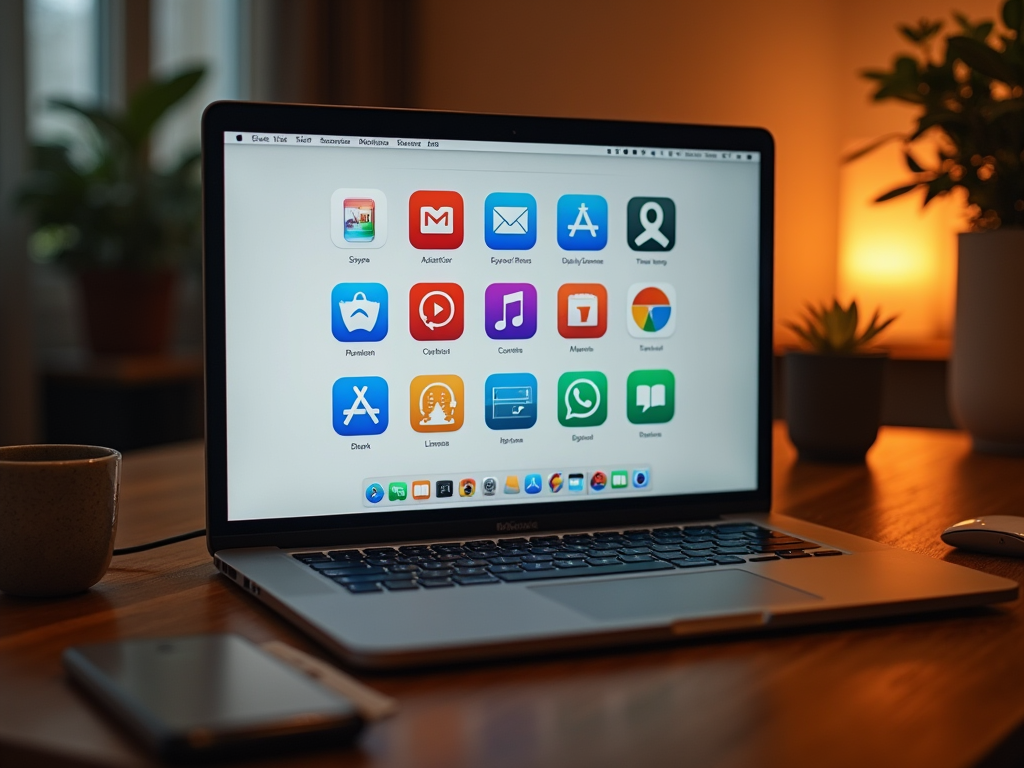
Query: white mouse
{"x": 994, "y": 535}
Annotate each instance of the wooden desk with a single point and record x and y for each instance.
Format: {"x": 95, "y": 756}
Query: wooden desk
{"x": 935, "y": 691}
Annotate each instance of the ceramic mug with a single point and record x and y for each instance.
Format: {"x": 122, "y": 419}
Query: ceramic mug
{"x": 58, "y": 517}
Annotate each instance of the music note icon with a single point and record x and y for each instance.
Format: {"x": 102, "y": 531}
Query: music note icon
{"x": 510, "y": 310}
{"x": 506, "y": 300}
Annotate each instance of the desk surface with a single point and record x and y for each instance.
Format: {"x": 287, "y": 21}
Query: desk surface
{"x": 933, "y": 691}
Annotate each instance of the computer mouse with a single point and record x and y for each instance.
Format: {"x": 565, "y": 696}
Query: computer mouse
{"x": 994, "y": 535}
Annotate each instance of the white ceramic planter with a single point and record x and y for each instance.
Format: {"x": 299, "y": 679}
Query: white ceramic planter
{"x": 986, "y": 372}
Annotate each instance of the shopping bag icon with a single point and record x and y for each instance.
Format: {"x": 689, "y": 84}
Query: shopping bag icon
{"x": 360, "y": 314}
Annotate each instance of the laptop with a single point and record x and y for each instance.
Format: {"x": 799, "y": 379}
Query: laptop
{"x": 482, "y": 386}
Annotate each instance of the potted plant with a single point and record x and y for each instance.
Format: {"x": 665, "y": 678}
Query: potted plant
{"x": 122, "y": 226}
{"x": 833, "y": 392}
{"x": 968, "y": 89}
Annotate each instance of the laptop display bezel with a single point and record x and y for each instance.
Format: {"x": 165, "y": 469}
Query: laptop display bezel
{"x": 451, "y": 523}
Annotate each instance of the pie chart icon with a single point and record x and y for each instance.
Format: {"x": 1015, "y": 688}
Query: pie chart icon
{"x": 651, "y": 310}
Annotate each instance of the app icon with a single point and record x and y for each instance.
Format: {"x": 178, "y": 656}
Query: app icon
{"x": 576, "y": 484}
{"x": 510, "y": 221}
{"x": 490, "y": 486}
{"x": 421, "y": 489}
{"x": 510, "y": 400}
{"x": 397, "y": 491}
{"x": 555, "y": 482}
{"x": 360, "y": 405}
{"x": 510, "y": 310}
{"x": 533, "y": 484}
{"x": 435, "y": 219}
{"x": 650, "y": 310}
{"x": 620, "y": 478}
{"x": 582, "y": 310}
{"x": 582, "y": 222}
{"x": 467, "y": 487}
{"x": 582, "y": 399}
{"x": 641, "y": 477}
{"x": 651, "y": 224}
{"x": 359, "y": 218}
{"x": 445, "y": 489}
{"x": 598, "y": 480}
{"x": 436, "y": 311}
{"x": 359, "y": 312}
{"x": 436, "y": 403}
{"x": 650, "y": 397}
{"x": 511, "y": 484}
{"x": 374, "y": 493}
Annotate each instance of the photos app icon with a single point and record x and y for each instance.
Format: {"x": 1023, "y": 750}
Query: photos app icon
{"x": 359, "y": 218}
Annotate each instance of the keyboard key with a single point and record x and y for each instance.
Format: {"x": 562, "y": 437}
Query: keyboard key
{"x": 435, "y": 583}
{"x": 732, "y": 550}
{"x": 639, "y": 550}
{"x": 471, "y": 563}
{"x": 728, "y": 559}
{"x": 358, "y": 578}
{"x": 574, "y": 555}
{"x": 792, "y": 555}
{"x": 362, "y": 587}
{"x": 602, "y": 560}
{"x": 542, "y": 550}
{"x": 603, "y": 570}
{"x": 326, "y": 565}
{"x": 470, "y": 571}
{"x": 505, "y": 560}
{"x": 827, "y": 553}
{"x": 470, "y": 580}
{"x": 570, "y": 563}
{"x": 536, "y": 558}
{"x": 360, "y": 570}
{"x": 504, "y": 568}
{"x": 537, "y": 566}
{"x": 403, "y": 584}
{"x": 692, "y": 562}
{"x": 763, "y": 558}
{"x": 400, "y": 568}
{"x": 311, "y": 557}
{"x": 433, "y": 566}
{"x": 636, "y": 558}
{"x": 381, "y": 551}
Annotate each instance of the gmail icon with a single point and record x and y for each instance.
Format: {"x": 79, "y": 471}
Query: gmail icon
{"x": 510, "y": 221}
{"x": 435, "y": 219}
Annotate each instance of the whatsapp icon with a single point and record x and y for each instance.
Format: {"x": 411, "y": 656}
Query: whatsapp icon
{"x": 582, "y": 399}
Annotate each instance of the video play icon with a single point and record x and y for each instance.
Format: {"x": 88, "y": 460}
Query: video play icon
{"x": 436, "y": 311}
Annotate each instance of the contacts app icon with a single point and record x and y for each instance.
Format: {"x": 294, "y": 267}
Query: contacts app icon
{"x": 510, "y": 221}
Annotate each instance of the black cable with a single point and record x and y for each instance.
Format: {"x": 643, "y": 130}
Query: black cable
{"x": 160, "y": 542}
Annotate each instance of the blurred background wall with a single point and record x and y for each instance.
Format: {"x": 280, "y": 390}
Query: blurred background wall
{"x": 790, "y": 66}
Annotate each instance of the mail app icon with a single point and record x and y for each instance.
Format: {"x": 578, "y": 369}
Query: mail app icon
{"x": 437, "y": 221}
{"x": 511, "y": 221}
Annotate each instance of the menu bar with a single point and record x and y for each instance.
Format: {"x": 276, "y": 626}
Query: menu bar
{"x": 447, "y": 145}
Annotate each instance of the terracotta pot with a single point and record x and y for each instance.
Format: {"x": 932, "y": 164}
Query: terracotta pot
{"x": 128, "y": 312}
{"x": 833, "y": 404}
{"x": 986, "y": 372}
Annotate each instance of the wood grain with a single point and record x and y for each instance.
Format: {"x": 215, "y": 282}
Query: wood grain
{"x": 941, "y": 690}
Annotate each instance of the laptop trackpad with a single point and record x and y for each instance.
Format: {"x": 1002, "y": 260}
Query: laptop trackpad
{"x": 673, "y": 596}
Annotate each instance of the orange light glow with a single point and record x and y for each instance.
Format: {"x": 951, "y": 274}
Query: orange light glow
{"x": 896, "y": 254}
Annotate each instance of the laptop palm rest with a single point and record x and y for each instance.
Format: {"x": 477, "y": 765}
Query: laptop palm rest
{"x": 674, "y": 596}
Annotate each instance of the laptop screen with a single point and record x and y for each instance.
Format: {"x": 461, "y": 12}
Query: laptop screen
{"x": 416, "y": 324}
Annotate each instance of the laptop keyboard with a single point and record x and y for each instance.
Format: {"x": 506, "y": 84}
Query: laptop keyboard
{"x": 572, "y": 555}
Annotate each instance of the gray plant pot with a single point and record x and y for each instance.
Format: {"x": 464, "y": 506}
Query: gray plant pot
{"x": 986, "y": 371}
{"x": 833, "y": 404}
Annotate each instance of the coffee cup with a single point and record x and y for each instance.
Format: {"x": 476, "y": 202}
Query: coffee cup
{"x": 58, "y": 517}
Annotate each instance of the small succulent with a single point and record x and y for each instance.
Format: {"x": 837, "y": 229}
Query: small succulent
{"x": 833, "y": 330}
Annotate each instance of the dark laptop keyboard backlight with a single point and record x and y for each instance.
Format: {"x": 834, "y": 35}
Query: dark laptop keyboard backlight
{"x": 432, "y": 566}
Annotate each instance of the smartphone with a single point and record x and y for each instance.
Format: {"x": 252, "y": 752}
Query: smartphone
{"x": 210, "y": 696}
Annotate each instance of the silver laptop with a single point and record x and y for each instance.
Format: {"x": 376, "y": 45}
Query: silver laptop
{"x": 483, "y": 385}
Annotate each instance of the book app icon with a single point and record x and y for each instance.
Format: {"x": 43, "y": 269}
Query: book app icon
{"x": 651, "y": 397}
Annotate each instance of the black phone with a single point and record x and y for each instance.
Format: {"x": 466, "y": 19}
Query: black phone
{"x": 210, "y": 696}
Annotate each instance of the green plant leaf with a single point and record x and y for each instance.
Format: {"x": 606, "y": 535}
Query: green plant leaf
{"x": 151, "y": 101}
{"x": 897, "y": 192}
{"x": 912, "y": 164}
{"x": 872, "y": 146}
{"x": 983, "y": 59}
{"x": 1013, "y": 15}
